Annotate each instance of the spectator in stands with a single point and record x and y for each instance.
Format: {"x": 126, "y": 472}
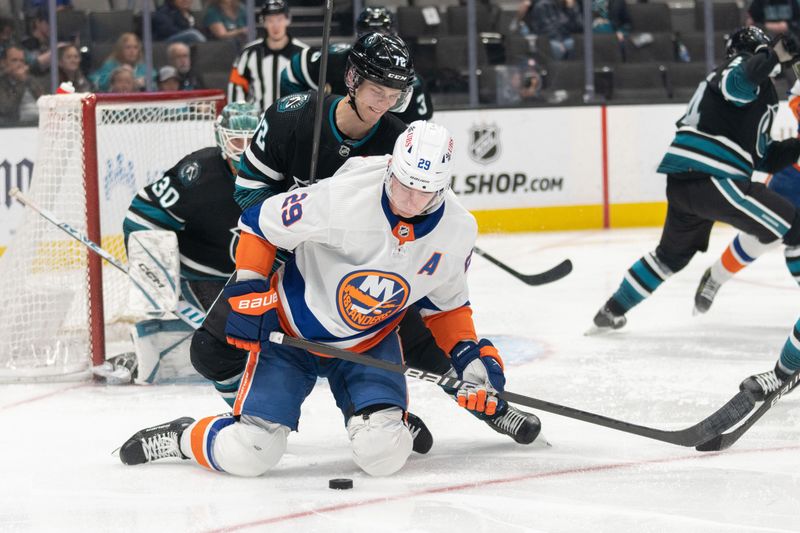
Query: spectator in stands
{"x": 18, "y": 91}
{"x": 226, "y": 19}
{"x": 122, "y": 80}
{"x": 611, "y": 16}
{"x": 775, "y": 16}
{"x": 69, "y": 68}
{"x": 29, "y": 5}
{"x": 180, "y": 56}
{"x": 554, "y": 20}
{"x": 37, "y": 42}
{"x": 168, "y": 79}
{"x": 174, "y": 22}
{"x": 127, "y": 51}
{"x": 7, "y": 28}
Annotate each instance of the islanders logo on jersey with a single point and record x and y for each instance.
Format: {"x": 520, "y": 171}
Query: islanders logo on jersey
{"x": 366, "y": 298}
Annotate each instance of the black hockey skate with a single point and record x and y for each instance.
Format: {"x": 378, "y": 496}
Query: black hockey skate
{"x": 423, "y": 440}
{"x": 157, "y": 442}
{"x": 706, "y": 291}
{"x": 761, "y": 385}
{"x": 521, "y": 426}
{"x": 606, "y": 320}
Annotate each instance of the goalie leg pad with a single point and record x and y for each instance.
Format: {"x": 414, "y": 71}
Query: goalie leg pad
{"x": 162, "y": 351}
{"x": 381, "y": 442}
{"x": 247, "y": 448}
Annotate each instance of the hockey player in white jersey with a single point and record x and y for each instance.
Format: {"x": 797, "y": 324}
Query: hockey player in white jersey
{"x": 384, "y": 233}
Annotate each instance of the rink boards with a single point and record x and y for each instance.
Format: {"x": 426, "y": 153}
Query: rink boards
{"x": 523, "y": 169}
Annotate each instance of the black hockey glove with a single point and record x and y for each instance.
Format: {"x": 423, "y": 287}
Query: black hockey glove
{"x": 786, "y": 47}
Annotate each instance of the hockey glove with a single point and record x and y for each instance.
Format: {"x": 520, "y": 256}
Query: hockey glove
{"x": 253, "y": 313}
{"x": 478, "y": 363}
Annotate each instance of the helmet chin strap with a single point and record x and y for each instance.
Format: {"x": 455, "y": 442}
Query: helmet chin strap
{"x": 352, "y": 102}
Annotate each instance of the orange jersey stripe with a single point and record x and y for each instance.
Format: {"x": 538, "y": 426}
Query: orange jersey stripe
{"x": 246, "y": 382}
{"x": 451, "y": 327}
{"x": 198, "y": 440}
{"x": 254, "y": 253}
{"x": 794, "y": 105}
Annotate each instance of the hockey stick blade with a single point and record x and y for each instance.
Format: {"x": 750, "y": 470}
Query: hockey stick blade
{"x": 726, "y": 440}
{"x": 185, "y": 311}
{"x": 548, "y": 276}
{"x": 724, "y": 418}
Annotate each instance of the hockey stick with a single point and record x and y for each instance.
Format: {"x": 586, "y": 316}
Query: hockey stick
{"x": 726, "y": 440}
{"x": 548, "y": 276}
{"x": 323, "y": 72}
{"x": 727, "y": 416}
{"x": 185, "y": 311}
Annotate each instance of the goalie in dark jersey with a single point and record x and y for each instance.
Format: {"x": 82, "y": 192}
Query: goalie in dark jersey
{"x": 378, "y": 79}
{"x": 179, "y": 204}
{"x": 302, "y": 74}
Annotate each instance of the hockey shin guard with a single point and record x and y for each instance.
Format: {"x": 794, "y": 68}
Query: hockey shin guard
{"x": 644, "y": 277}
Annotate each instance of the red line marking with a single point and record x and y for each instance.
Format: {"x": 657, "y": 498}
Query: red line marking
{"x": 604, "y": 134}
{"x": 42, "y": 396}
{"x": 501, "y": 481}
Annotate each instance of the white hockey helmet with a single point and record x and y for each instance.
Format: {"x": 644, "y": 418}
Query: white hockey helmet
{"x": 235, "y": 127}
{"x": 422, "y": 160}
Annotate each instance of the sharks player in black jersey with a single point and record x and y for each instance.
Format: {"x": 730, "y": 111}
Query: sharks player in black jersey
{"x": 378, "y": 77}
{"x": 723, "y": 137}
{"x": 302, "y": 74}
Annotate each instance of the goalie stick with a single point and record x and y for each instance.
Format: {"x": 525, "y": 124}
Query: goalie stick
{"x": 185, "y": 311}
{"x": 548, "y": 276}
{"x": 725, "y": 417}
{"x": 726, "y": 440}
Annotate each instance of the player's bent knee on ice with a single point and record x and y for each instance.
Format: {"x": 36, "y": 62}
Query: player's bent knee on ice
{"x": 250, "y": 447}
{"x": 381, "y": 442}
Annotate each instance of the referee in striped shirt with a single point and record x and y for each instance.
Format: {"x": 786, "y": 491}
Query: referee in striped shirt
{"x": 256, "y": 73}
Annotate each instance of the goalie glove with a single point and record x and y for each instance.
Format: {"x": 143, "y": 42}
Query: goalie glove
{"x": 479, "y": 363}
{"x": 253, "y": 314}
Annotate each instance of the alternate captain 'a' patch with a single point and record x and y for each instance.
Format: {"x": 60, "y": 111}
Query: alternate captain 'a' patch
{"x": 292, "y": 102}
{"x": 368, "y": 297}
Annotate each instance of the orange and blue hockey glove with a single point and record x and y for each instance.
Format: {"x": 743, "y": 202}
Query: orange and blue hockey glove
{"x": 253, "y": 314}
{"x": 479, "y": 363}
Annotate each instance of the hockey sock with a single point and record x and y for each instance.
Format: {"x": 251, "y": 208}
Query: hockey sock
{"x": 792, "y": 255}
{"x": 743, "y": 250}
{"x": 228, "y": 388}
{"x": 789, "y": 360}
{"x": 644, "y": 277}
{"x": 197, "y": 441}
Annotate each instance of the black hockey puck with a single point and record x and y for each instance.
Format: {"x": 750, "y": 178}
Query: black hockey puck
{"x": 340, "y": 484}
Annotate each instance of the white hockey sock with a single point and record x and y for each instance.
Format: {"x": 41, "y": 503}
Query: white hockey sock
{"x": 743, "y": 250}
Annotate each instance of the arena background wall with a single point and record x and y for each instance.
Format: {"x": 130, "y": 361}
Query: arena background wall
{"x": 529, "y": 169}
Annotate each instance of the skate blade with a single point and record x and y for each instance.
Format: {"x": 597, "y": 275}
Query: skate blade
{"x": 540, "y": 442}
{"x": 596, "y": 330}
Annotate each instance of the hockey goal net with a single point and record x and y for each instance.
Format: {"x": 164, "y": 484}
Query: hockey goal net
{"x": 62, "y": 305}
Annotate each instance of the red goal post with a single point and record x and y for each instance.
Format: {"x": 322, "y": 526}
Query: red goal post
{"x": 64, "y": 307}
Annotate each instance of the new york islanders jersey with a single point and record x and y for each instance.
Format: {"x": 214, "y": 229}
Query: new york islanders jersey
{"x": 726, "y": 129}
{"x": 180, "y": 202}
{"x": 302, "y": 74}
{"x": 357, "y": 266}
{"x": 279, "y": 156}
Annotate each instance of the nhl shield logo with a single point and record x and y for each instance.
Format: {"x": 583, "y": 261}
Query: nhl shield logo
{"x": 344, "y": 151}
{"x": 484, "y": 145}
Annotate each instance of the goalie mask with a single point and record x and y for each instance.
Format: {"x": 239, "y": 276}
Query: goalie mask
{"x": 419, "y": 172}
{"x": 235, "y": 127}
{"x": 383, "y": 60}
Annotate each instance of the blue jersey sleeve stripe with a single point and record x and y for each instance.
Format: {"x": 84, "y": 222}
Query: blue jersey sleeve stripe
{"x": 154, "y": 214}
{"x": 737, "y": 88}
{"x": 249, "y": 221}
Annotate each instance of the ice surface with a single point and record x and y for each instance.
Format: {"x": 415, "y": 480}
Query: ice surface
{"x": 666, "y": 369}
